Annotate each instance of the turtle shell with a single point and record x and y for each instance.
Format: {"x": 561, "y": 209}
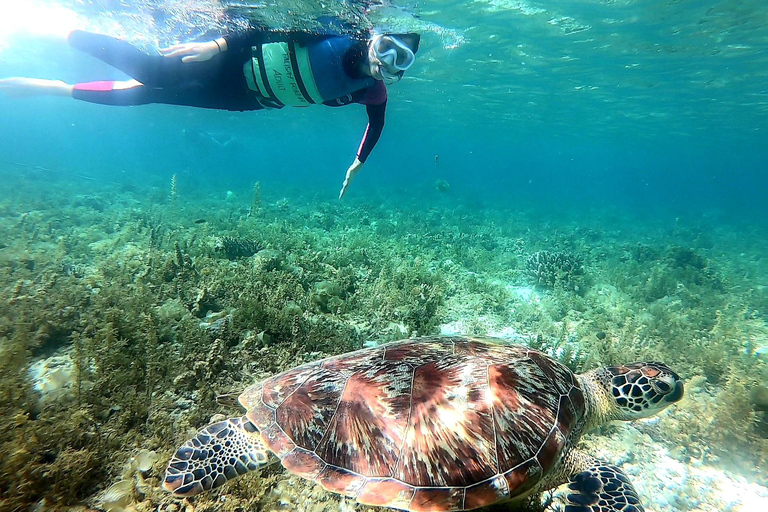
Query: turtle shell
{"x": 429, "y": 424}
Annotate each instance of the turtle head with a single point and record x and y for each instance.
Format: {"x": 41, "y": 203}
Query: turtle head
{"x": 640, "y": 390}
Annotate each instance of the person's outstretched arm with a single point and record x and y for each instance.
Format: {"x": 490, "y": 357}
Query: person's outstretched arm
{"x": 370, "y": 138}
{"x": 376, "y": 106}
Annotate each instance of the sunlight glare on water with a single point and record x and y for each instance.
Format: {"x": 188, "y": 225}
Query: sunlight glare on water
{"x": 38, "y": 18}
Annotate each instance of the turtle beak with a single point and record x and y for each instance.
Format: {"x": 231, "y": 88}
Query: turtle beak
{"x": 677, "y": 394}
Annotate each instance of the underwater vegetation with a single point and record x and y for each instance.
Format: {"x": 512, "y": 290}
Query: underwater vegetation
{"x": 555, "y": 268}
{"x": 124, "y": 316}
{"x": 233, "y": 248}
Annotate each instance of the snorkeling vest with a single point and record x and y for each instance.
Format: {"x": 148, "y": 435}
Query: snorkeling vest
{"x": 287, "y": 73}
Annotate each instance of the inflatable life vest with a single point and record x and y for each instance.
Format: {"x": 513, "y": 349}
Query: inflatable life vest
{"x": 286, "y": 73}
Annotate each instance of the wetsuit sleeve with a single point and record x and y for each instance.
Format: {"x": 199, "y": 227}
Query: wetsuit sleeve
{"x": 373, "y": 131}
{"x": 239, "y": 41}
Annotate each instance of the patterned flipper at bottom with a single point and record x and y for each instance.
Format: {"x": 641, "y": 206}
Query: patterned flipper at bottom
{"x": 219, "y": 452}
{"x": 602, "y": 488}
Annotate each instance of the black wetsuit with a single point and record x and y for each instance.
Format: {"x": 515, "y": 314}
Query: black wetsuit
{"x": 218, "y": 83}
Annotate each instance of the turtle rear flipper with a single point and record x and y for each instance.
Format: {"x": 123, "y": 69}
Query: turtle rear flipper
{"x": 218, "y": 453}
{"x": 602, "y": 488}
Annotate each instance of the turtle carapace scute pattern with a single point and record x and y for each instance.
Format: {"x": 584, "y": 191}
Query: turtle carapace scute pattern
{"x": 432, "y": 424}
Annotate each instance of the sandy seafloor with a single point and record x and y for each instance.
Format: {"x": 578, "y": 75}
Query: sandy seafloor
{"x": 705, "y": 454}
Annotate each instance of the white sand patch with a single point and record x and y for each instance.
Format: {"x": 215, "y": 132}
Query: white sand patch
{"x": 666, "y": 484}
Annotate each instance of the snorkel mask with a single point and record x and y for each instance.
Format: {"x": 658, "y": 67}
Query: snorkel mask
{"x": 395, "y": 53}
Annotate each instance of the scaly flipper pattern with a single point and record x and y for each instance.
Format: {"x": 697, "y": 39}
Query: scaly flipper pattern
{"x": 602, "y": 488}
{"x": 218, "y": 453}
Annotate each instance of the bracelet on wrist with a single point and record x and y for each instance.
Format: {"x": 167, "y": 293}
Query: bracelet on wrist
{"x": 217, "y": 45}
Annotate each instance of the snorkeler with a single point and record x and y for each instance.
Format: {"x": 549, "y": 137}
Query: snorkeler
{"x": 251, "y": 70}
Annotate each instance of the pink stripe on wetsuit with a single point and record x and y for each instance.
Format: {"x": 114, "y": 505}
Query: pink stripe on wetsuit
{"x": 100, "y": 86}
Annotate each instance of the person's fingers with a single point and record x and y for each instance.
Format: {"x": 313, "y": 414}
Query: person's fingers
{"x": 173, "y": 49}
{"x": 172, "y": 53}
{"x": 180, "y": 53}
{"x": 182, "y": 50}
{"x": 345, "y": 185}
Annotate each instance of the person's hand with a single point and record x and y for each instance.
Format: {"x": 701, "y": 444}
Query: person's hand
{"x": 351, "y": 173}
{"x": 194, "y": 52}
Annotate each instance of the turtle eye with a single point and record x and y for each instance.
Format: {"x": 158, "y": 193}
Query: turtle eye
{"x": 661, "y": 387}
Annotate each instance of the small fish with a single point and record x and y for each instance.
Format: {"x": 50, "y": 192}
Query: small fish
{"x": 200, "y": 221}
{"x": 437, "y": 160}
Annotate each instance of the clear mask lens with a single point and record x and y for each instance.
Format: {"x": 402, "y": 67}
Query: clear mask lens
{"x": 393, "y": 53}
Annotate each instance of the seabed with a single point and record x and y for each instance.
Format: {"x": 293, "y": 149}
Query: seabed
{"x": 126, "y": 312}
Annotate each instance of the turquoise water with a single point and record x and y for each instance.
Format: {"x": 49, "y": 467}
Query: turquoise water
{"x": 653, "y": 105}
{"x": 626, "y": 135}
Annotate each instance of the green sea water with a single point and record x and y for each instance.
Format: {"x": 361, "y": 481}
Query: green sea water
{"x": 627, "y": 137}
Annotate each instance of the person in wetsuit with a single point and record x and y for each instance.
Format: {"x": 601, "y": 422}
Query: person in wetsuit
{"x": 250, "y": 70}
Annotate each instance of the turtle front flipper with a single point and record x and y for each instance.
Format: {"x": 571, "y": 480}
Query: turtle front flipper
{"x": 602, "y": 488}
{"x": 218, "y": 453}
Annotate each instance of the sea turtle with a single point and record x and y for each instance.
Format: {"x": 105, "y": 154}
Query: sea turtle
{"x": 433, "y": 424}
